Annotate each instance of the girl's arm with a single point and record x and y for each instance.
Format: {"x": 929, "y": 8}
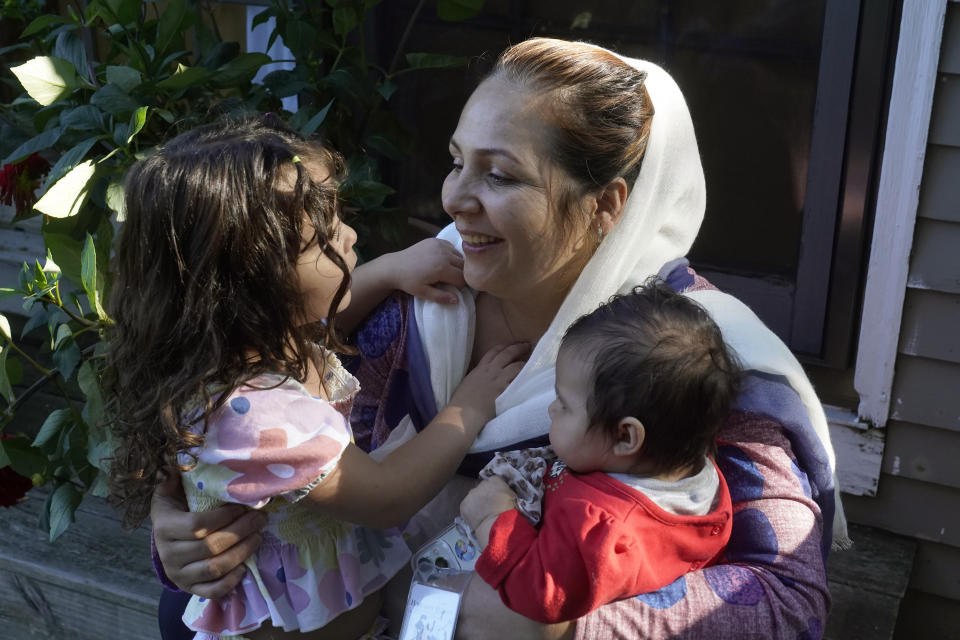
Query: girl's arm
{"x": 416, "y": 270}
{"x": 387, "y": 493}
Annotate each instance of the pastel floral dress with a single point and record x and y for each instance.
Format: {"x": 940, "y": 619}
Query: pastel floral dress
{"x": 267, "y": 447}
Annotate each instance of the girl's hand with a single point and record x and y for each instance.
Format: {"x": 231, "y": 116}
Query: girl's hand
{"x": 486, "y": 502}
{"x": 478, "y": 391}
{"x": 418, "y": 269}
{"x": 202, "y": 553}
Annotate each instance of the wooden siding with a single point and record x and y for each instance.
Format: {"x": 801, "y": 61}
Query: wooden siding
{"x": 927, "y": 391}
{"x": 922, "y": 453}
{"x": 918, "y": 493}
{"x": 938, "y": 192}
{"x": 931, "y": 325}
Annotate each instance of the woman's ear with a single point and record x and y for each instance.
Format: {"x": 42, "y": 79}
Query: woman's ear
{"x": 630, "y": 436}
{"x": 610, "y": 205}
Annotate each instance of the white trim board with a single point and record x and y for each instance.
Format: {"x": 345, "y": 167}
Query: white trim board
{"x": 908, "y": 124}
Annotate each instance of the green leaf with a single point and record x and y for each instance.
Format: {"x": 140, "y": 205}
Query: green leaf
{"x": 45, "y": 114}
{"x": 83, "y": 118}
{"x": 456, "y": 10}
{"x": 240, "y": 70}
{"x": 38, "y": 318}
{"x": 435, "y": 61}
{"x": 41, "y": 23}
{"x": 299, "y": 37}
{"x": 183, "y": 78}
{"x": 126, "y": 78}
{"x": 63, "y": 506}
{"x": 89, "y": 384}
{"x": 52, "y": 425}
{"x": 115, "y": 200}
{"x": 4, "y": 458}
{"x": 70, "y": 48}
{"x": 283, "y": 82}
{"x": 113, "y": 100}
{"x": 67, "y": 161}
{"x": 169, "y": 26}
{"x": 137, "y": 120}
{"x": 14, "y": 370}
{"x": 24, "y": 459}
{"x": 124, "y": 11}
{"x": 345, "y": 20}
{"x": 46, "y": 79}
{"x": 385, "y": 146}
{"x": 263, "y": 17}
{"x": 68, "y": 194}
{"x": 88, "y": 275}
{"x": 6, "y": 390}
{"x": 65, "y": 250}
{"x": 40, "y": 142}
{"x": 67, "y": 355}
{"x": 311, "y": 126}
{"x": 386, "y": 88}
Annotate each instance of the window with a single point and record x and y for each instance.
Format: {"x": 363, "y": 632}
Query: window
{"x": 788, "y": 101}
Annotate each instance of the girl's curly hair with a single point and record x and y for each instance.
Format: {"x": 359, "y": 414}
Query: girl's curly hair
{"x": 206, "y": 293}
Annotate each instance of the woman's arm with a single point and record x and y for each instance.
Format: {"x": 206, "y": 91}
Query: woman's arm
{"x": 202, "y": 553}
{"x": 416, "y": 270}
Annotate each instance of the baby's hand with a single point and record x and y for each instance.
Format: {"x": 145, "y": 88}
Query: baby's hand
{"x": 418, "y": 269}
{"x": 498, "y": 367}
{"x": 486, "y": 501}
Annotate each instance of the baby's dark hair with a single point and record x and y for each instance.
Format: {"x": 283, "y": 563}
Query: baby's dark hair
{"x": 659, "y": 357}
{"x": 206, "y": 294}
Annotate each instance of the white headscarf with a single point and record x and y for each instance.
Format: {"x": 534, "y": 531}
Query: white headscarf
{"x": 661, "y": 219}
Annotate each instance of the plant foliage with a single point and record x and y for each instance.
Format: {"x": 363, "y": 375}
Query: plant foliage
{"x": 87, "y": 113}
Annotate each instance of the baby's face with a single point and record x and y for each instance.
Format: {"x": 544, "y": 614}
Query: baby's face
{"x": 582, "y": 449}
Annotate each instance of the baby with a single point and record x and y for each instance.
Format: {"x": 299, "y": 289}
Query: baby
{"x": 634, "y": 499}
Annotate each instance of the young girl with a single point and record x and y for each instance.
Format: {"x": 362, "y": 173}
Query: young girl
{"x": 634, "y": 500}
{"x": 233, "y": 262}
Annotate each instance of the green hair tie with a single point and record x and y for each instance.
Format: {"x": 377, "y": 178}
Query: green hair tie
{"x": 295, "y": 159}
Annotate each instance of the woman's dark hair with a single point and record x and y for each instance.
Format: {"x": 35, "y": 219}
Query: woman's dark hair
{"x": 206, "y": 293}
{"x": 596, "y": 106}
{"x": 659, "y": 357}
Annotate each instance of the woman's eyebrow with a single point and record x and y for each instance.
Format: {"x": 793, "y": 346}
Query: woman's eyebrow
{"x": 490, "y": 151}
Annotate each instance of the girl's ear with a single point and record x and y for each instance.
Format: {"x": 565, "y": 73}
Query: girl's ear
{"x": 610, "y": 205}
{"x": 630, "y": 435}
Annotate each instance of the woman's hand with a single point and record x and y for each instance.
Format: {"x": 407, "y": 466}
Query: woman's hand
{"x": 478, "y": 391}
{"x": 484, "y": 504}
{"x": 419, "y": 268}
{"x": 202, "y": 553}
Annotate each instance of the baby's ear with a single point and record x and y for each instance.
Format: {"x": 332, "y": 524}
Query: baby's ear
{"x": 630, "y": 436}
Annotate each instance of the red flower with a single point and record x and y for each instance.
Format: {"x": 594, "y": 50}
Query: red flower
{"x": 19, "y": 180}
{"x": 13, "y": 486}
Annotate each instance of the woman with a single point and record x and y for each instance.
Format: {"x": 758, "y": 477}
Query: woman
{"x": 566, "y": 187}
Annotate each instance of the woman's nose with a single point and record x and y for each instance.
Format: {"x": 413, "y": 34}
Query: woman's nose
{"x": 459, "y": 195}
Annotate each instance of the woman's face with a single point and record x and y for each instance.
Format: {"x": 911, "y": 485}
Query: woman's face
{"x": 499, "y": 191}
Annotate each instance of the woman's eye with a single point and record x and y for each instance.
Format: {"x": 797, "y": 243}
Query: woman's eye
{"x": 499, "y": 179}
{"x": 456, "y": 166}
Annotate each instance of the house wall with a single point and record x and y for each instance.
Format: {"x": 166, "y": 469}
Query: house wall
{"x": 919, "y": 488}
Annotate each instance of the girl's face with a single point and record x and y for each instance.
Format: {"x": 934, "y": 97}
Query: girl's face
{"x": 498, "y": 193}
{"x": 319, "y": 277}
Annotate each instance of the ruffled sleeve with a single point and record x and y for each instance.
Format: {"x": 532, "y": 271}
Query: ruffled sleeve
{"x": 268, "y": 442}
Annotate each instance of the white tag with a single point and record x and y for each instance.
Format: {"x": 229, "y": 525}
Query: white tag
{"x": 431, "y": 613}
